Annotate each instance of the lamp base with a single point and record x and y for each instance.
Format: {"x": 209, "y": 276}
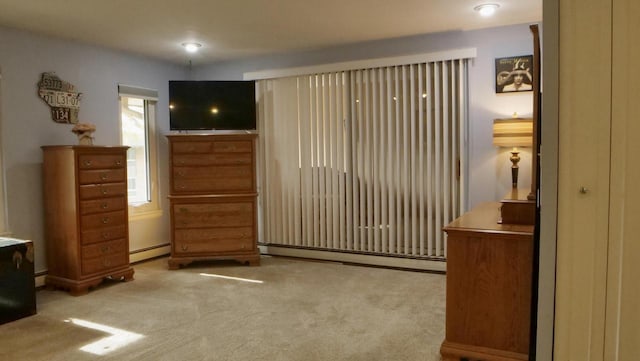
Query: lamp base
{"x": 515, "y": 158}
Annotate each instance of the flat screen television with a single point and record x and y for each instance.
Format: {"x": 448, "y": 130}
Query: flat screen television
{"x": 212, "y": 105}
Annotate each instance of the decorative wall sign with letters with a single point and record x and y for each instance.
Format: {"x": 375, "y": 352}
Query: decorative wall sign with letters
{"x": 61, "y": 97}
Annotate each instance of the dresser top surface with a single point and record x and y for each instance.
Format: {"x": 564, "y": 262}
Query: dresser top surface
{"x": 204, "y": 137}
{"x": 85, "y": 147}
{"x": 6, "y": 242}
{"x": 484, "y": 218}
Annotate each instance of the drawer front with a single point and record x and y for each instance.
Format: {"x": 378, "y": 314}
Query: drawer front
{"x": 233, "y": 146}
{"x": 211, "y": 159}
{"x": 104, "y": 249}
{"x": 101, "y": 161}
{"x": 212, "y": 185}
{"x": 216, "y": 146}
{"x": 191, "y": 147}
{"x": 104, "y": 256}
{"x": 213, "y": 179}
{"x": 103, "y": 220}
{"x": 102, "y": 176}
{"x": 104, "y": 234}
{"x": 90, "y": 191}
{"x": 206, "y": 215}
{"x": 102, "y": 205}
{"x": 203, "y": 240}
{"x": 105, "y": 263}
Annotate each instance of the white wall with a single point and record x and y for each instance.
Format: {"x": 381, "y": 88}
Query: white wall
{"x": 490, "y": 168}
{"x": 27, "y": 124}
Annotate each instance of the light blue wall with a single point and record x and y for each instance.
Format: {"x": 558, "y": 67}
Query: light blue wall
{"x": 27, "y": 124}
{"x": 489, "y": 167}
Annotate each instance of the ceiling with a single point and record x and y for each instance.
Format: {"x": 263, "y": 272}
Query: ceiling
{"x": 232, "y": 29}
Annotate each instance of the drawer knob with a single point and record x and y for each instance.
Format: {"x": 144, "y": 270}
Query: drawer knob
{"x": 181, "y": 173}
{"x": 104, "y": 249}
{"x": 103, "y": 191}
{"x": 104, "y": 206}
{"x": 105, "y": 220}
{"x": 118, "y": 162}
{"x": 184, "y": 247}
{"x": 87, "y": 163}
{"x": 106, "y": 235}
{"x": 104, "y": 176}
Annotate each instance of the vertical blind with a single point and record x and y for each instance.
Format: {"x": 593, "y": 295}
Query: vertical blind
{"x": 366, "y": 160}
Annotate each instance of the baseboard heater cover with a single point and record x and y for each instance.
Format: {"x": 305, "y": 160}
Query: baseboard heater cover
{"x": 420, "y": 264}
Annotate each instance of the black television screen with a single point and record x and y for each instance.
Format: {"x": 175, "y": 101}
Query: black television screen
{"x": 212, "y": 104}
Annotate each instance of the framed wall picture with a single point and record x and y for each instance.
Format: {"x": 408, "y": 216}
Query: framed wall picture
{"x": 514, "y": 74}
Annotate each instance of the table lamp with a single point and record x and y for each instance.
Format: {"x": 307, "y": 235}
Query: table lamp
{"x": 513, "y": 133}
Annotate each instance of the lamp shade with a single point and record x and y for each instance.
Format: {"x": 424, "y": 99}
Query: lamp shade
{"x": 515, "y": 132}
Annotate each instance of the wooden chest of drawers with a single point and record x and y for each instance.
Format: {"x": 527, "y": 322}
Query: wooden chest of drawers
{"x": 86, "y": 220}
{"x": 489, "y": 278}
{"x": 213, "y": 198}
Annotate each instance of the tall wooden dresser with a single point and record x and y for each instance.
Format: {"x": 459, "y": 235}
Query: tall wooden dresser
{"x": 213, "y": 198}
{"x": 86, "y": 222}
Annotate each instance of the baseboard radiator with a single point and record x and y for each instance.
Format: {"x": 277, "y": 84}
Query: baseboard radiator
{"x": 364, "y": 161}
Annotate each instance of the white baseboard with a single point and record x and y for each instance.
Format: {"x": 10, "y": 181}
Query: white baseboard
{"x": 144, "y": 255}
{"x": 134, "y": 257}
{"x": 40, "y": 280}
{"x": 382, "y": 261}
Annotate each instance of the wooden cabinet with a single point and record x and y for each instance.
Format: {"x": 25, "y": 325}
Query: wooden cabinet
{"x": 489, "y": 278}
{"x": 86, "y": 221}
{"x": 18, "y": 292}
{"x": 213, "y": 198}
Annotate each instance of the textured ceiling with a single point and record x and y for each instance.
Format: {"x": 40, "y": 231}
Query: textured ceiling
{"x": 229, "y": 29}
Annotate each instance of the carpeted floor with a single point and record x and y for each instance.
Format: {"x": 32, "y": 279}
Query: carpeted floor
{"x": 285, "y": 309}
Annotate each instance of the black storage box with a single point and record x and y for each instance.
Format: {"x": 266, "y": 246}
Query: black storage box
{"x": 17, "y": 282}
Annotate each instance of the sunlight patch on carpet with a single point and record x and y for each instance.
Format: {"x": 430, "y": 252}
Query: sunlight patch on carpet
{"x": 231, "y": 278}
{"x": 118, "y": 338}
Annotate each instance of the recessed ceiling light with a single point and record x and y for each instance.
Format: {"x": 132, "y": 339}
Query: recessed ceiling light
{"x": 486, "y": 9}
{"x": 191, "y": 47}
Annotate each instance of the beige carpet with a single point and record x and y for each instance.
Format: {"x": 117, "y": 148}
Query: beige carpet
{"x": 302, "y": 310}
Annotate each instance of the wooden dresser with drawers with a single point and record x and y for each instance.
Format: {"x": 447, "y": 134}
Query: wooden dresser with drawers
{"x": 86, "y": 219}
{"x": 213, "y": 198}
{"x": 489, "y": 279}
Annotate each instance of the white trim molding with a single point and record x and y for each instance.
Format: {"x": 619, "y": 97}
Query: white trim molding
{"x": 363, "y": 64}
{"x": 4, "y": 219}
{"x": 149, "y": 253}
{"x": 364, "y": 259}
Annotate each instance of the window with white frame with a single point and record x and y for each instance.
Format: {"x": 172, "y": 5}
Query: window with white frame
{"x": 137, "y": 124}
